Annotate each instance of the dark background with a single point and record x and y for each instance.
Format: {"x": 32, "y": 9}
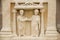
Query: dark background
{"x": 58, "y": 15}
{"x": 0, "y": 15}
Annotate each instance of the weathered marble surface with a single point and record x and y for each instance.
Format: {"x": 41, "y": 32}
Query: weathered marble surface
{"x": 51, "y": 20}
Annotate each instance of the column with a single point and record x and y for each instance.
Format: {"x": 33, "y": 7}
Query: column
{"x": 51, "y": 32}
{"x": 42, "y": 23}
{"x": 14, "y": 23}
{"x": 6, "y": 16}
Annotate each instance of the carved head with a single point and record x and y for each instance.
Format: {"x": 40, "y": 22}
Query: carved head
{"x": 36, "y": 11}
{"x": 21, "y": 12}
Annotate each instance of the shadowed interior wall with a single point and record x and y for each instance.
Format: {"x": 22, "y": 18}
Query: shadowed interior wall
{"x": 0, "y": 15}
{"x": 58, "y": 15}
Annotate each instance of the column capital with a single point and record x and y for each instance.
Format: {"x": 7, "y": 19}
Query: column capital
{"x": 14, "y": 11}
{"x": 42, "y": 10}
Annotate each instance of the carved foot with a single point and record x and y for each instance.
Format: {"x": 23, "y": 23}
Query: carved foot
{"x": 21, "y": 35}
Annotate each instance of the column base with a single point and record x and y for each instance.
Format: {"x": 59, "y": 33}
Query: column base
{"x": 6, "y": 29}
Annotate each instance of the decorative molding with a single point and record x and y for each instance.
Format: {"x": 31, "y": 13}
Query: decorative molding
{"x": 28, "y": 6}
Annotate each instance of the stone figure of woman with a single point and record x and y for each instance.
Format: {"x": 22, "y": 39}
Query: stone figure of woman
{"x": 35, "y": 23}
{"x": 21, "y": 23}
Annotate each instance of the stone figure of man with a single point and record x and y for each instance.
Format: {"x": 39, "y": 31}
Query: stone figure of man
{"x": 21, "y": 23}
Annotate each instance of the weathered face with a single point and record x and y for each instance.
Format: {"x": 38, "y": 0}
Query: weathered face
{"x": 21, "y": 12}
{"x": 36, "y": 11}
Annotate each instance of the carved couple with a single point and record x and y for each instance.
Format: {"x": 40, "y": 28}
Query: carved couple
{"x": 35, "y": 23}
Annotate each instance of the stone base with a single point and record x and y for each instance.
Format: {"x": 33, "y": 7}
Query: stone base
{"x": 21, "y": 38}
{"x": 11, "y": 37}
{"x": 6, "y": 29}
